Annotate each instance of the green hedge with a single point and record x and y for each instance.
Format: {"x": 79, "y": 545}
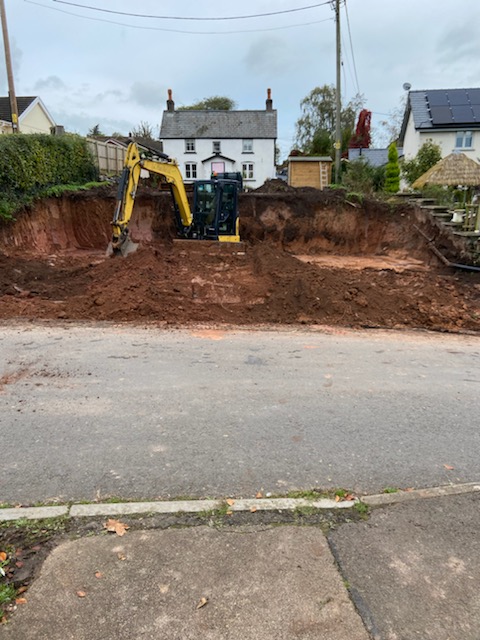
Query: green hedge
{"x": 30, "y": 164}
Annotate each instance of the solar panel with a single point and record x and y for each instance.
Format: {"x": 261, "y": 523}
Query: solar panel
{"x": 457, "y": 97}
{"x": 437, "y": 98}
{"x": 441, "y": 115}
{"x": 462, "y": 114}
{"x": 476, "y": 112}
{"x": 474, "y": 95}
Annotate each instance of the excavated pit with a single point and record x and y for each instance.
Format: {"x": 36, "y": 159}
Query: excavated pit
{"x": 310, "y": 257}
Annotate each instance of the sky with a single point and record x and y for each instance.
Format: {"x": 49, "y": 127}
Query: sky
{"x": 97, "y": 67}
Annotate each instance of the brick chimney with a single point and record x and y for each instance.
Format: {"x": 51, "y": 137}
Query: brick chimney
{"x": 170, "y": 102}
{"x": 269, "y": 102}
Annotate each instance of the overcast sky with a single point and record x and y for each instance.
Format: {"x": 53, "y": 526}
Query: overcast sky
{"x": 91, "y": 67}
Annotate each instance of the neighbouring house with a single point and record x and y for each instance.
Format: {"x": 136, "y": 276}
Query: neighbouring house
{"x": 208, "y": 142}
{"x": 374, "y": 157}
{"x": 309, "y": 171}
{"x": 33, "y": 116}
{"x": 449, "y": 117}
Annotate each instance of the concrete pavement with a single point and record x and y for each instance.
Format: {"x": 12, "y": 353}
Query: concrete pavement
{"x": 408, "y": 572}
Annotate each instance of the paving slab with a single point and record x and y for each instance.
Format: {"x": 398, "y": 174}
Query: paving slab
{"x": 254, "y": 583}
{"x": 414, "y": 569}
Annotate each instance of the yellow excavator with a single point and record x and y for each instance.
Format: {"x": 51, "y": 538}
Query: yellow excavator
{"x": 215, "y": 202}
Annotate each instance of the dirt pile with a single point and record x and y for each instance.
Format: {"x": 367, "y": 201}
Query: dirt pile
{"x": 311, "y": 260}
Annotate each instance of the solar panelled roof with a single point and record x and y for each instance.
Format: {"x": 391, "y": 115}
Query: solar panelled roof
{"x": 453, "y": 107}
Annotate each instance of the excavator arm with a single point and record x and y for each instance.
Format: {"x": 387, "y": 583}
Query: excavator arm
{"x": 127, "y": 189}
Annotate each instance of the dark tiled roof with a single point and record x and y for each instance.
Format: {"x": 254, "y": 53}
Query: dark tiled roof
{"x": 374, "y": 157}
{"x": 218, "y": 124}
{"x": 22, "y": 104}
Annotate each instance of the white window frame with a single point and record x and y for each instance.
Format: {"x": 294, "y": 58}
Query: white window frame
{"x": 216, "y": 146}
{"x": 248, "y": 171}
{"x": 247, "y": 145}
{"x": 190, "y": 145}
{"x": 461, "y": 139}
{"x": 190, "y": 171}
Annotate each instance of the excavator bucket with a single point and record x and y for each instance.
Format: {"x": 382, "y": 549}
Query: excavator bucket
{"x": 122, "y": 248}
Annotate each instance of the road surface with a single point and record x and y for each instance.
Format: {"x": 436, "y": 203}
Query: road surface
{"x": 88, "y": 412}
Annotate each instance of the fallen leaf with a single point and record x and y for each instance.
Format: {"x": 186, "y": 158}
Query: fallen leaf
{"x": 81, "y": 594}
{"x": 20, "y": 601}
{"x": 21, "y": 590}
{"x": 115, "y": 526}
{"x": 229, "y": 513}
{"x": 3, "y": 620}
{"x": 120, "y": 556}
{"x": 253, "y": 509}
{"x": 202, "y": 603}
{"x": 3, "y": 556}
{"x": 259, "y": 495}
{"x": 448, "y": 467}
{"x": 230, "y": 501}
{"x": 349, "y": 496}
{"x": 98, "y": 574}
{"x": 337, "y": 498}
{"x": 19, "y": 564}
{"x": 410, "y": 489}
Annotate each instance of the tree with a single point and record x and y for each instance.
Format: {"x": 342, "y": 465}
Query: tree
{"x": 220, "y": 103}
{"x": 143, "y": 130}
{"x": 95, "y": 131}
{"x": 392, "y": 170}
{"x": 428, "y": 155}
{"x": 315, "y": 129}
{"x": 389, "y": 129}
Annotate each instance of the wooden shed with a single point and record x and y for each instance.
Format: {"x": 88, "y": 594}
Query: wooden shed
{"x": 309, "y": 171}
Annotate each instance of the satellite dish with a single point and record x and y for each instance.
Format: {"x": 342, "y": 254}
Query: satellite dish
{"x": 407, "y": 86}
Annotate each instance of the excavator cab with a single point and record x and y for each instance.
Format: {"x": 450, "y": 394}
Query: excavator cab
{"x": 215, "y": 209}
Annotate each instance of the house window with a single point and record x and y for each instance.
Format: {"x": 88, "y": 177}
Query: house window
{"x": 247, "y": 145}
{"x": 247, "y": 170}
{"x": 191, "y": 171}
{"x": 216, "y": 146}
{"x": 190, "y": 146}
{"x": 463, "y": 140}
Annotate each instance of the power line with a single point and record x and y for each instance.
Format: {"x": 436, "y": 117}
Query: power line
{"x": 351, "y": 49}
{"x": 209, "y": 33}
{"x": 156, "y": 17}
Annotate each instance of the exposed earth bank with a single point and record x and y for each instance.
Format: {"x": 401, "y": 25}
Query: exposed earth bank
{"x": 308, "y": 257}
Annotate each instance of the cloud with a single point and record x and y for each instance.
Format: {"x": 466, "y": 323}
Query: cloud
{"x": 81, "y": 122}
{"x": 51, "y": 83}
{"x": 111, "y": 93}
{"x": 148, "y": 94}
{"x": 269, "y": 56}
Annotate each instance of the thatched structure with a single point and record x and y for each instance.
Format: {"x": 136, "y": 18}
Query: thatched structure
{"x": 453, "y": 170}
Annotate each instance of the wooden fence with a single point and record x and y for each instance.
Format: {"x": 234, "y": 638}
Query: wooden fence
{"x": 110, "y": 158}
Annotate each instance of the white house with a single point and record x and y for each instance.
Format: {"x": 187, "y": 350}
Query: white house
{"x": 33, "y": 116}
{"x": 207, "y": 142}
{"x": 449, "y": 117}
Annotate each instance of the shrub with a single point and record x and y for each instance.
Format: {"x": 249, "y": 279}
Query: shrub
{"x": 392, "y": 170}
{"x": 428, "y": 155}
{"x": 30, "y": 164}
{"x": 362, "y": 177}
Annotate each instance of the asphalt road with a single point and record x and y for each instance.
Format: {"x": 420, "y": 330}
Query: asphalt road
{"x": 94, "y": 411}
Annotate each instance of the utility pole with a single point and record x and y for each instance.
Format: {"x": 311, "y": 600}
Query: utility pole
{"x": 338, "y": 97}
{"x": 8, "y": 60}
